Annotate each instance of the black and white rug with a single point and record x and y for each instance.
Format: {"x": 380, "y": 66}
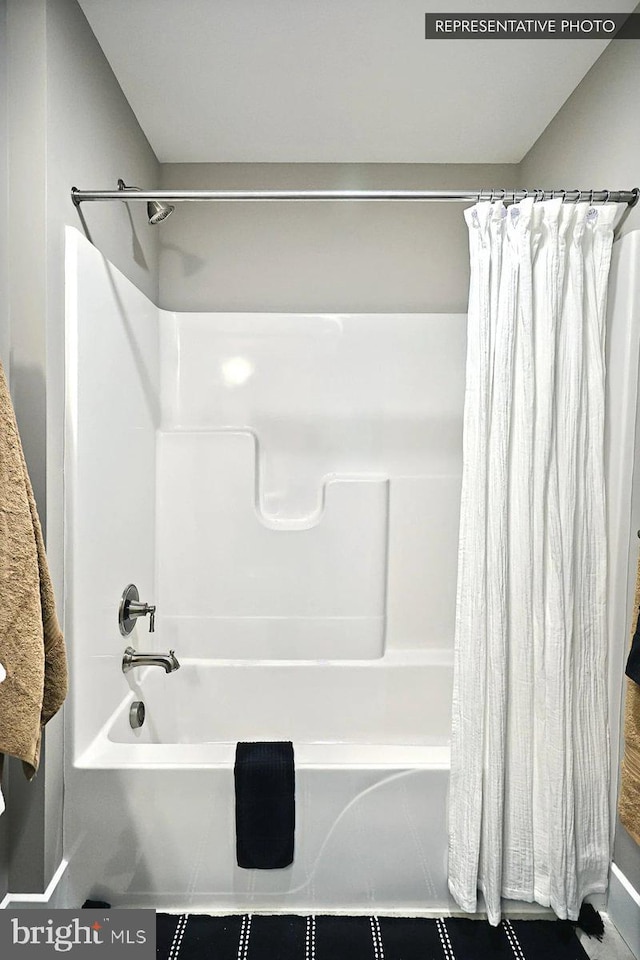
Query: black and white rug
{"x": 257, "y": 937}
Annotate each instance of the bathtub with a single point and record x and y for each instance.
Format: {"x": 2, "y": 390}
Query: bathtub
{"x": 372, "y": 761}
{"x": 287, "y": 501}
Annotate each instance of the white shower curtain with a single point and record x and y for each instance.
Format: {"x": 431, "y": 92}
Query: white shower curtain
{"x": 528, "y": 814}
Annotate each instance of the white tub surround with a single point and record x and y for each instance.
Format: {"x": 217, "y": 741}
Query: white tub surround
{"x": 112, "y": 346}
{"x": 285, "y": 455}
{"x": 290, "y": 505}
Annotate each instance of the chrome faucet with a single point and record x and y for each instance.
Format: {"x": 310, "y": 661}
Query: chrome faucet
{"x": 167, "y": 661}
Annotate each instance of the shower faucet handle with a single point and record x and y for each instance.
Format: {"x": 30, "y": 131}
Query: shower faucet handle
{"x": 135, "y": 610}
{"x": 131, "y": 608}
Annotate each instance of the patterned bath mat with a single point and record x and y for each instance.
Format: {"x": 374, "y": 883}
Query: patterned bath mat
{"x": 197, "y": 937}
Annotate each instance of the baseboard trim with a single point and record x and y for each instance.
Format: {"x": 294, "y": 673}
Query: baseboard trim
{"x": 624, "y": 908}
{"x": 19, "y": 901}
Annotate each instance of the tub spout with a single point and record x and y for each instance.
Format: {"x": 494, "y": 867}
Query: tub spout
{"x": 131, "y": 659}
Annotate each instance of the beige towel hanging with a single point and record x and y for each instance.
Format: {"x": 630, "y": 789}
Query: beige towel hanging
{"x": 32, "y": 651}
{"x": 629, "y": 799}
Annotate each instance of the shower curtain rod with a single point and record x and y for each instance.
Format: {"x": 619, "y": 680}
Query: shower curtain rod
{"x": 508, "y": 196}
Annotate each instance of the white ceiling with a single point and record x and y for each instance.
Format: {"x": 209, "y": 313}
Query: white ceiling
{"x": 335, "y": 80}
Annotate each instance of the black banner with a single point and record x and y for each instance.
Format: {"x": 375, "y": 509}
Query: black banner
{"x": 532, "y": 26}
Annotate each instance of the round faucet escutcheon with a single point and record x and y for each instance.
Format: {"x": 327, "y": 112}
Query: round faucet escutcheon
{"x": 131, "y": 608}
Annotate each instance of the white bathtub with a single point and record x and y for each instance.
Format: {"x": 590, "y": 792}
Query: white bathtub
{"x": 371, "y": 783}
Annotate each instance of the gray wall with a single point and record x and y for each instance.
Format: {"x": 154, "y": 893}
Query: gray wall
{"x": 69, "y": 125}
{"x": 342, "y": 257}
{"x": 26, "y": 86}
{"x": 594, "y": 140}
{"x": 359, "y": 257}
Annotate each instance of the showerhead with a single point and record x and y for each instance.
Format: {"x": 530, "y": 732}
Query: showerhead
{"x": 157, "y": 211}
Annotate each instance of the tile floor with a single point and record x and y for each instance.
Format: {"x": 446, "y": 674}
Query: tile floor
{"x": 612, "y": 947}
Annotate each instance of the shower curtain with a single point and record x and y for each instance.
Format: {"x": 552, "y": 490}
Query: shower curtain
{"x": 528, "y": 814}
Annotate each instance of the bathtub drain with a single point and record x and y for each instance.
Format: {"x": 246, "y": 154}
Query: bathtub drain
{"x": 136, "y": 714}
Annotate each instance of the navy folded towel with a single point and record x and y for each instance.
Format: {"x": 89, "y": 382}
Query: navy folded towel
{"x": 265, "y": 804}
{"x": 633, "y": 663}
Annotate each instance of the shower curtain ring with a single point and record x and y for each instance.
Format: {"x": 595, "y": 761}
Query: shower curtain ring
{"x": 608, "y": 196}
